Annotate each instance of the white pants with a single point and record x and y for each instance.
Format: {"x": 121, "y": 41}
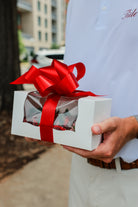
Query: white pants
{"x": 92, "y": 186}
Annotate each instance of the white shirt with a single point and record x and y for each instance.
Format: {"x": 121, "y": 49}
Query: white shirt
{"x": 103, "y": 34}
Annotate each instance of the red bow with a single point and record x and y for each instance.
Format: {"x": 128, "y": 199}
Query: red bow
{"x": 57, "y": 79}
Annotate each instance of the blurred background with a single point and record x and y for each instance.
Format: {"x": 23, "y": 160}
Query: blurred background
{"x": 32, "y": 32}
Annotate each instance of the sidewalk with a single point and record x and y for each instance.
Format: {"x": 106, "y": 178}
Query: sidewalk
{"x": 42, "y": 183}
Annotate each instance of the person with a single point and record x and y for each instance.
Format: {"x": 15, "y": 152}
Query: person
{"x": 103, "y": 35}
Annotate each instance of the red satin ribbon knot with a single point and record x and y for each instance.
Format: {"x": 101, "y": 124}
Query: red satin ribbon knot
{"x": 57, "y": 79}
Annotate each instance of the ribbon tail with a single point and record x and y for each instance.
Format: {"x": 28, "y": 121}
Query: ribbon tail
{"x": 21, "y": 80}
{"x": 47, "y": 118}
{"x": 79, "y": 93}
{"x": 46, "y": 134}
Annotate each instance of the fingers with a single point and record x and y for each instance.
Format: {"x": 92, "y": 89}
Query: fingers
{"x": 102, "y": 152}
{"x": 89, "y": 154}
{"x": 105, "y": 126}
{"x": 81, "y": 152}
{"x": 97, "y": 153}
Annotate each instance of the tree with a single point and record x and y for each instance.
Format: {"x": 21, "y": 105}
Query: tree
{"x": 9, "y": 53}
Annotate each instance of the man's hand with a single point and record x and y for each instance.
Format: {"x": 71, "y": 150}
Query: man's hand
{"x": 116, "y": 133}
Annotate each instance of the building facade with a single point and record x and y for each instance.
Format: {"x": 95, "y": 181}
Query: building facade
{"x": 42, "y": 23}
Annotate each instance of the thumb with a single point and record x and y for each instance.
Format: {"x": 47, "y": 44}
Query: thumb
{"x": 105, "y": 126}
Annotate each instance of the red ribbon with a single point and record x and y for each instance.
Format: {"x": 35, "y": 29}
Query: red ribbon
{"x": 55, "y": 80}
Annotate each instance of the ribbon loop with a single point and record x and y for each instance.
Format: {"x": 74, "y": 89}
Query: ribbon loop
{"x": 80, "y": 70}
{"x": 32, "y": 74}
{"x": 60, "y": 68}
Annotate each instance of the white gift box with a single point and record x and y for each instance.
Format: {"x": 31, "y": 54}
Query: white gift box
{"x": 91, "y": 110}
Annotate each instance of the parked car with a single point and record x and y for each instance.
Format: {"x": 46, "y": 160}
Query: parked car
{"x": 45, "y": 57}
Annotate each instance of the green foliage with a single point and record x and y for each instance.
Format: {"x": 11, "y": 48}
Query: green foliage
{"x": 22, "y": 48}
{"x": 55, "y": 46}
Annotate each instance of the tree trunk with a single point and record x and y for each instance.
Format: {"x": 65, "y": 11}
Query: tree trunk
{"x": 9, "y": 52}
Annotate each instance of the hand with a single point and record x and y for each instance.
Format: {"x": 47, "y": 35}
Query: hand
{"x": 48, "y": 144}
{"x": 116, "y": 133}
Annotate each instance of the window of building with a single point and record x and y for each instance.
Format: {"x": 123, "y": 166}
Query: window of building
{"x": 39, "y": 21}
{"x": 39, "y": 35}
{"x": 46, "y": 36}
{"x": 39, "y": 5}
{"x": 45, "y": 8}
{"x": 45, "y": 23}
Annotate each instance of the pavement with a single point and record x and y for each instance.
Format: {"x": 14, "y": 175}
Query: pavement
{"x": 42, "y": 183}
